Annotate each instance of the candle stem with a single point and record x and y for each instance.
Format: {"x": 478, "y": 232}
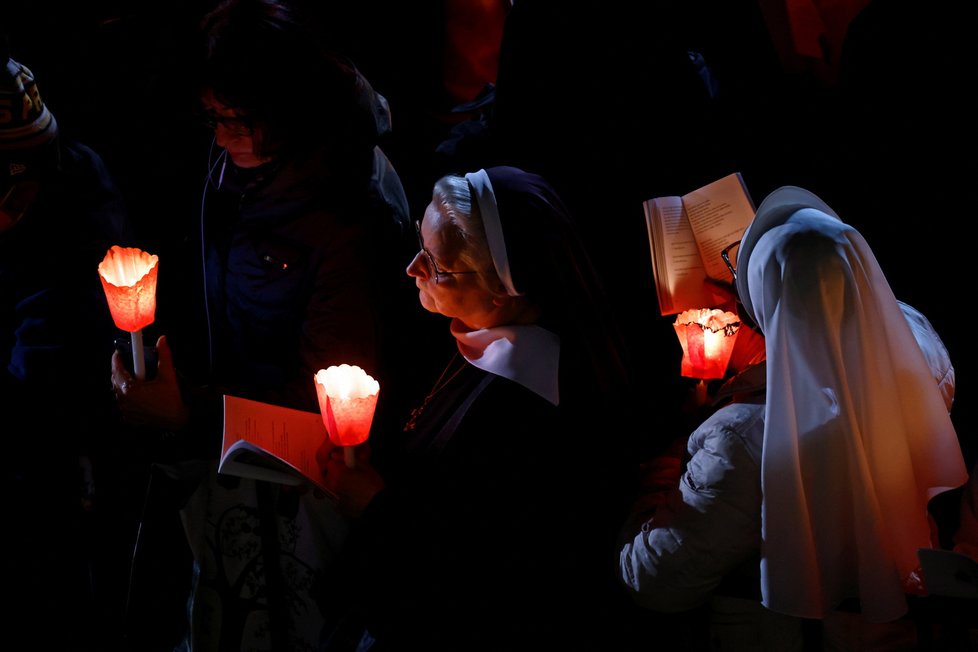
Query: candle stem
{"x": 701, "y": 393}
{"x": 138, "y": 356}
{"x": 349, "y": 456}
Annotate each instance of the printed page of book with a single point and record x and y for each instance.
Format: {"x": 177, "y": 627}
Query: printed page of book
{"x": 719, "y": 213}
{"x": 284, "y": 437}
{"x": 676, "y": 263}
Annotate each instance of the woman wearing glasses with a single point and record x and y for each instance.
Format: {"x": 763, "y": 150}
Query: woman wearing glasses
{"x": 487, "y": 523}
{"x": 303, "y": 234}
{"x": 808, "y": 493}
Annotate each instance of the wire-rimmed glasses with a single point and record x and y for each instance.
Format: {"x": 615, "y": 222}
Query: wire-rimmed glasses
{"x": 236, "y": 125}
{"x": 725, "y": 254}
{"x": 432, "y": 266}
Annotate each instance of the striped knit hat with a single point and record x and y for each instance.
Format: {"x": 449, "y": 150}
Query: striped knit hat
{"x": 25, "y": 122}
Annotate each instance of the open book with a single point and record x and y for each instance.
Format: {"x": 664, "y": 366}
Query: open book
{"x": 687, "y": 234}
{"x": 270, "y": 442}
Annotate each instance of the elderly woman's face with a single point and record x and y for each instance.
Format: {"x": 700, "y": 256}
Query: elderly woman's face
{"x": 444, "y": 286}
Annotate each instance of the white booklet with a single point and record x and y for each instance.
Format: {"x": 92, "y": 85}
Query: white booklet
{"x": 686, "y": 236}
{"x": 270, "y": 442}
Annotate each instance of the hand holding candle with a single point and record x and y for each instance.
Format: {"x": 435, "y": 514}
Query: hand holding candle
{"x": 129, "y": 279}
{"x": 347, "y": 400}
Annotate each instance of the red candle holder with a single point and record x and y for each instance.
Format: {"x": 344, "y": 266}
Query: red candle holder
{"x": 347, "y": 401}
{"x": 129, "y": 279}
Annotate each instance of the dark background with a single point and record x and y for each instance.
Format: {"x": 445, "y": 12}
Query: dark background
{"x": 883, "y": 128}
{"x": 599, "y": 97}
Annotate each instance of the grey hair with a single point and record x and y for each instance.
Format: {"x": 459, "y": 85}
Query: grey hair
{"x": 454, "y": 195}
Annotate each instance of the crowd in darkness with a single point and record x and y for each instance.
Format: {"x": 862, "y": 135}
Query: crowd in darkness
{"x": 594, "y": 97}
{"x": 608, "y": 102}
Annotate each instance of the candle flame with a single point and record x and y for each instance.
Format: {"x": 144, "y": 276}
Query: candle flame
{"x": 347, "y": 381}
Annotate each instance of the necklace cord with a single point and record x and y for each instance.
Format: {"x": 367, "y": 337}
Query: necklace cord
{"x": 439, "y": 385}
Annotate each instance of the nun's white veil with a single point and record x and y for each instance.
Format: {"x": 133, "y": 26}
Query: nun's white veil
{"x": 857, "y": 434}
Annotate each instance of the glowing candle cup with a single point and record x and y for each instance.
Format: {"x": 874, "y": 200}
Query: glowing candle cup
{"x": 129, "y": 279}
{"x": 347, "y": 400}
{"x": 707, "y": 337}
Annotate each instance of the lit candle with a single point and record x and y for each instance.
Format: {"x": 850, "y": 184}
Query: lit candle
{"x": 129, "y": 279}
{"x": 347, "y": 400}
{"x": 707, "y": 337}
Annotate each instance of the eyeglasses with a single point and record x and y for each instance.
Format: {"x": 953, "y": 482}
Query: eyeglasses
{"x": 725, "y": 254}
{"x": 236, "y": 125}
{"x": 432, "y": 267}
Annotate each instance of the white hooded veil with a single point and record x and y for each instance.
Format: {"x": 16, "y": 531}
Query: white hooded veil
{"x": 857, "y": 435}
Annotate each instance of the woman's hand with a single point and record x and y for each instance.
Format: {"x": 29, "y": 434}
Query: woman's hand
{"x": 355, "y": 487}
{"x": 156, "y": 403}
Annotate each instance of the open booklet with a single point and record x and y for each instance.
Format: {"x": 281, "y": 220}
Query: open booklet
{"x": 687, "y": 234}
{"x": 270, "y": 442}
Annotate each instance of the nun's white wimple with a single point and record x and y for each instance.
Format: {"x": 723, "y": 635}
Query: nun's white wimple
{"x": 482, "y": 189}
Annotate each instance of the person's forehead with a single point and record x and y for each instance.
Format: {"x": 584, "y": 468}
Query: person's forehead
{"x": 439, "y": 235}
{"x": 434, "y": 222}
